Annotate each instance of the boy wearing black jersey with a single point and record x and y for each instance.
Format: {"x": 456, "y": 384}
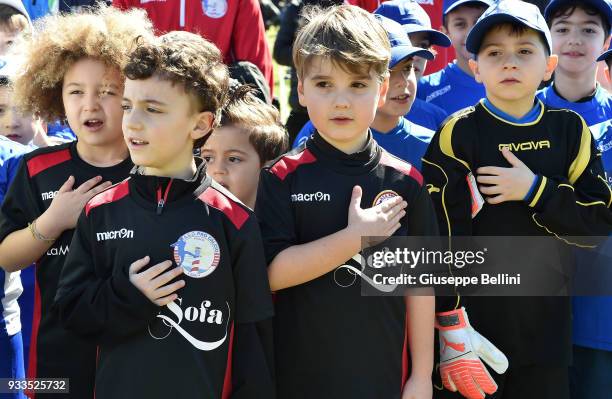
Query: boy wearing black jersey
{"x": 316, "y": 202}
{"x": 73, "y": 73}
{"x": 166, "y": 270}
{"x": 551, "y": 186}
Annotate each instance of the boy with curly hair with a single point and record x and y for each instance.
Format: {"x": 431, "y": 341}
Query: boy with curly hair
{"x": 78, "y": 79}
{"x": 189, "y": 300}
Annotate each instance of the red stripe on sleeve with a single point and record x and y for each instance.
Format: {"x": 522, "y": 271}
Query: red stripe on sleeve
{"x": 227, "y": 382}
{"x": 401, "y": 166}
{"x": 44, "y": 161}
{"x": 106, "y": 197}
{"x": 289, "y": 163}
{"x": 231, "y": 209}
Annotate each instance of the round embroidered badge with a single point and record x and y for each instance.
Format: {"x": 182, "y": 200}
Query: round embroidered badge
{"x": 197, "y": 253}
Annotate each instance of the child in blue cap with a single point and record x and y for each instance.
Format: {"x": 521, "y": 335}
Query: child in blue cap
{"x": 536, "y": 190}
{"x": 417, "y": 25}
{"x": 454, "y": 88}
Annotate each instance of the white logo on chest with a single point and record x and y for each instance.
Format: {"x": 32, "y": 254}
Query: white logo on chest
{"x": 204, "y": 314}
{"x": 311, "y": 197}
{"x": 113, "y": 235}
{"x": 49, "y": 195}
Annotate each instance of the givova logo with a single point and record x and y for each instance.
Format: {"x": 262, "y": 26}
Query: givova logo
{"x": 311, "y": 197}
{"x": 113, "y": 235}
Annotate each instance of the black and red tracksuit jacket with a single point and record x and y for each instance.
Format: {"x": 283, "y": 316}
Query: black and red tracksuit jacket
{"x": 54, "y": 351}
{"x": 214, "y": 340}
{"x": 330, "y": 341}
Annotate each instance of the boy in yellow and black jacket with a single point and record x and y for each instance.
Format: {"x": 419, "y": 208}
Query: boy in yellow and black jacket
{"x": 512, "y": 166}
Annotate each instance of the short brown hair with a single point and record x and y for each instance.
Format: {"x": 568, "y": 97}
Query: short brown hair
{"x": 12, "y": 20}
{"x": 59, "y": 41}
{"x": 257, "y": 119}
{"x": 347, "y": 35}
{"x": 186, "y": 59}
{"x": 566, "y": 9}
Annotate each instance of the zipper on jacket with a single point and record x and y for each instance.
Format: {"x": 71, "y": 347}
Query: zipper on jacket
{"x": 161, "y": 201}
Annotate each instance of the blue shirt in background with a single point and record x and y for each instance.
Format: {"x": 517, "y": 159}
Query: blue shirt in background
{"x": 406, "y": 140}
{"x": 450, "y": 89}
{"x": 426, "y": 114}
{"x": 593, "y": 314}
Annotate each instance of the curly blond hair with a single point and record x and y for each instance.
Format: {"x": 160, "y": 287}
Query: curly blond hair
{"x": 58, "y": 41}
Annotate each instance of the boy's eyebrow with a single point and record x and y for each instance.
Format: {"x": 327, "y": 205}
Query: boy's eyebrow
{"x": 236, "y": 150}
{"x": 501, "y": 44}
{"x": 146, "y": 100}
{"x": 566, "y": 22}
{"x": 326, "y": 77}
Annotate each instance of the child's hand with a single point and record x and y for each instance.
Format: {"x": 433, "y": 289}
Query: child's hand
{"x": 507, "y": 184}
{"x": 381, "y": 220}
{"x": 152, "y": 282}
{"x": 67, "y": 205}
{"x": 418, "y": 388}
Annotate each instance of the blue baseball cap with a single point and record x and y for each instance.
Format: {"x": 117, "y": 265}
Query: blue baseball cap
{"x": 450, "y": 5}
{"x": 606, "y": 54}
{"x": 401, "y": 47}
{"x": 507, "y": 11}
{"x": 603, "y": 6}
{"x": 413, "y": 19}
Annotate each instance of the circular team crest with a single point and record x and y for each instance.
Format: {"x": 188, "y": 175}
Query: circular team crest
{"x": 214, "y": 8}
{"x": 197, "y": 253}
{"x": 384, "y": 196}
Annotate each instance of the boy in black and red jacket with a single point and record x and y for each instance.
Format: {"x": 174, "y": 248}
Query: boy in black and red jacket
{"x": 166, "y": 271}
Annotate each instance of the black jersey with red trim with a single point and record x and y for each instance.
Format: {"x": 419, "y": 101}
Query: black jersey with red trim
{"x": 184, "y": 349}
{"x": 54, "y": 351}
{"x": 330, "y": 341}
{"x": 570, "y": 198}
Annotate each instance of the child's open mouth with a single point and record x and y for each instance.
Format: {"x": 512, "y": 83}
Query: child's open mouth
{"x": 138, "y": 142}
{"x": 93, "y": 124}
{"x": 401, "y": 98}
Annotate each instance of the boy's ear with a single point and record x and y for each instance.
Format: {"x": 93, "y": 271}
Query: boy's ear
{"x": 384, "y": 89}
{"x": 204, "y": 124}
{"x": 473, "y": 64}
{"x": 551, "y": 64}
{"x": 607, "y": 74}
{"x": 300, "y": 90}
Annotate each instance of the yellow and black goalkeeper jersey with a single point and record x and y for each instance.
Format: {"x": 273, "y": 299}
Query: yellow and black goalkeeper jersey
{"x": 570, "y": 198}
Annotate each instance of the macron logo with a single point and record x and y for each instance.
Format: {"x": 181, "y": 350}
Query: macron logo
{"x": 49, "y": 195}
{"x": 113, "y": 235}
{"x": 311, "y": 197}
